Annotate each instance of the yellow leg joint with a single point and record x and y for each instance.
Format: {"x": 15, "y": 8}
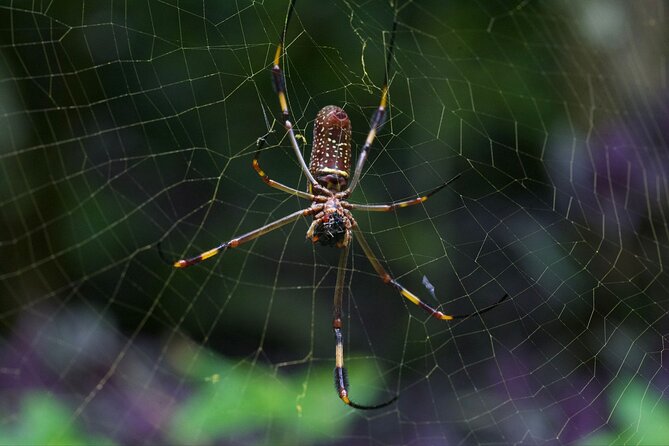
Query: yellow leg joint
{"x": 208, "y": 254}
{"x": 370, "y": 137}
{"x": 415, "y": 300}
{"x": 256, "y": 166}
{"x": 384, "y": 97}
{"x": 277, "y": 55}
{"x": 282, "y": 102}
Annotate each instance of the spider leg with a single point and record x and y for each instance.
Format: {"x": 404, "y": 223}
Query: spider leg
{"x": 235, "y": 242}
{"x": 279, "y": 81}
{"x": 400, "y": 204}
{"x": 275, "y": 184}
{"x": 387, "y": 278}
{"x": 377, "y": 117}
{"x": 340, "y": 375}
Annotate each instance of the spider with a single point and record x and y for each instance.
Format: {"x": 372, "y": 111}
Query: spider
{"x": 329, "y": 188}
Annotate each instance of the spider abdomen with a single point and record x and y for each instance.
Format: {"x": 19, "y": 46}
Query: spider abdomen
{"x": 330, "y": 162}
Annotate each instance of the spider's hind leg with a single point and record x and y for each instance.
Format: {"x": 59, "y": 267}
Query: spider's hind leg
{"x": 388, "y": 279}
{"x": 340, "y": 374}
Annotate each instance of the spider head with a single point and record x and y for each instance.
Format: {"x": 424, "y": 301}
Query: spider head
{"x": 331, "y": 231}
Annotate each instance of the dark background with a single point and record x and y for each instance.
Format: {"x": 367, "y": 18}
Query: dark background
{"x": 125, "y": 124}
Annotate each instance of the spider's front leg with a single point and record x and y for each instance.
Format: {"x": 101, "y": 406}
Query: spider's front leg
{"x": 279, "y": 81}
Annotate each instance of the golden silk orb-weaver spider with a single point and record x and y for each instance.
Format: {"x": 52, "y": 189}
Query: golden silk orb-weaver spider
{"x": 329, "y": 188}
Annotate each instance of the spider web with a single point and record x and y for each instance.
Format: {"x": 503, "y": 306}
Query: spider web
{"x": 128, "y": 123}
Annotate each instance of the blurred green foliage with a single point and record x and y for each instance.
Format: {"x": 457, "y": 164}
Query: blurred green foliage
{"x": 639, "y": 415}
{"x": 240, "y": 400}
{"x": 45, "y": 420}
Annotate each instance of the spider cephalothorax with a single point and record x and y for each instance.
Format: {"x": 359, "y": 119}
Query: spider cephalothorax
{"x": 332, "y": 225}
{"x": 331, "y": 231}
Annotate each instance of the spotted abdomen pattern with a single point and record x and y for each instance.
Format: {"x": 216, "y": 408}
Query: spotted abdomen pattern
{"x": 330, "y": 162}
